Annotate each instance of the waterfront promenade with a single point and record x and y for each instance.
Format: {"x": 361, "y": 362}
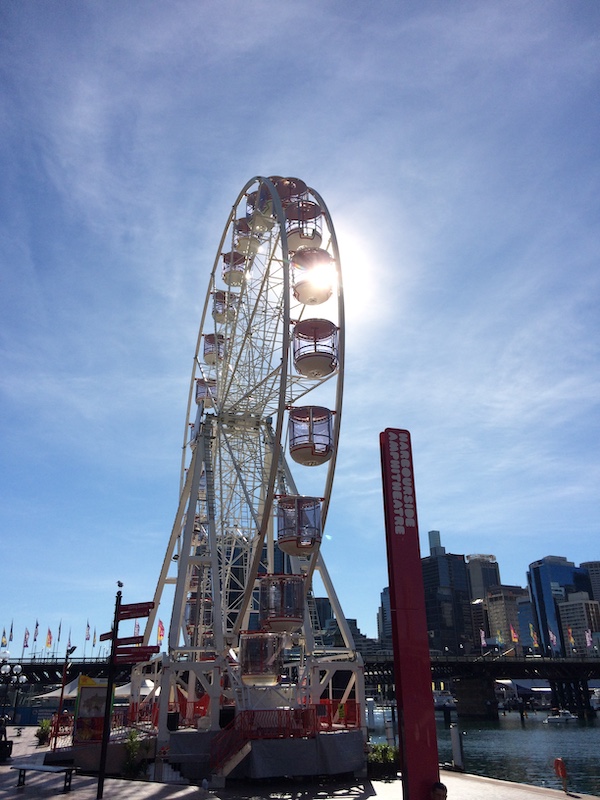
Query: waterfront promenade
{"x": 460, "y": 786}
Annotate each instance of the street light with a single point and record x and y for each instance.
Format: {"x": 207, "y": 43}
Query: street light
{"x": 12, "y": 675}
{"x": 68, "y": 654}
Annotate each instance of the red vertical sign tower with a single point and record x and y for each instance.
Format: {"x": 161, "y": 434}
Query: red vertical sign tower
{"x": 412, "y": 667}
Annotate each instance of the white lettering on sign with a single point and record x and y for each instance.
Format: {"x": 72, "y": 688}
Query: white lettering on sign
{"x": 402, "y": 485}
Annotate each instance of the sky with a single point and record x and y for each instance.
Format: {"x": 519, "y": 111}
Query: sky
{"x": 456, "y": 146}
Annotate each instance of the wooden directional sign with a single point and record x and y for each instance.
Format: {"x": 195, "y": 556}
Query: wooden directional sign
{"x": 130, "y": 651}
{"x": 133, "y": 655}
{"x": 134, "y": 610}
{"x": 130, "y": 640}
{"x": 105, "y": 637}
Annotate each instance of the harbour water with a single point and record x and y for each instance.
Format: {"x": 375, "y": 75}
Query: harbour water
{"x": 521, "y": 751}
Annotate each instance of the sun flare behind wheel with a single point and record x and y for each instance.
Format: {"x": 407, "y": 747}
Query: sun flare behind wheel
{"x": 245, "y": 634}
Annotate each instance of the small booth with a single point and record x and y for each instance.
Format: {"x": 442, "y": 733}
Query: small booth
{"x": 214, "y": 348}
{"x": 303, "y": 224}
{"x": 234, "y": 268}
{"x": 246, "y": 242}
{"x": 225, "y": 303}
{"x": 259, "y": 209}
{"x": 313, "y": 275}
{"x": 261, "y": 658}
{"x": 281, "y": 602}
{"x": 289, "y": 189}
{"x": 206, "y": 391}
{"x": 299, "y": 529}
{"x": 310, "y": 430}
{"x": 315, "y": 347}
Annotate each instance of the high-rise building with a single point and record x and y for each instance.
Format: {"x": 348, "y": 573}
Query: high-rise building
{"x": 384, "y": 619}
{"x": 579, "y": 620}
{"x": 529, "y": 637}
{"x": 503, "y": 616}
{"x": 324, "y": 612}
{"x": 551, "y": 580}
{"x": 593, "y": 568}
{"x": 483, "y": 572}
{"x": 447, "y": 599}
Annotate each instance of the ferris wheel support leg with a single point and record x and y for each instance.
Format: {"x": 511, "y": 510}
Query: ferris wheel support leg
{"x": 162, "y": 579}
{"x": 183, "y": 571}
{"x": 335, "y": 604}
{"x": 163, "y": 737}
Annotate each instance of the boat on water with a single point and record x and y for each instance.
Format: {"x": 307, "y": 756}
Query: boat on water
{"x": 560, "y": 716}
{"x": 443, "y": 699}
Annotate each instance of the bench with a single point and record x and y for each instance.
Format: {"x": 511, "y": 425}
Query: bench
{"x": 33, "y": 767}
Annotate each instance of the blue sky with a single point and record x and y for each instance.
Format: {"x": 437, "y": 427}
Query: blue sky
{"x": 456, "y": 146}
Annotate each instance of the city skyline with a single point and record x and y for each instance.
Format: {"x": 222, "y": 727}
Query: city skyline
{"x": 89, "y": 644}
{"x": 456, "y": 148}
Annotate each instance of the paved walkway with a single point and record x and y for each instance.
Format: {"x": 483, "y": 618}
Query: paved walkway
{"x": 460, "y": 786}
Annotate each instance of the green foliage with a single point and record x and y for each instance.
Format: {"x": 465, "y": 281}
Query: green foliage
{"x": 44, "y": 731}
{"x": 383, "y": 754}
{"x": 134, "y": 765}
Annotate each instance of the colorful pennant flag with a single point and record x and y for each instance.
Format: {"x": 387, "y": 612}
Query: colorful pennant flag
{"x": 26, "y": 639}
{"x": 4, "y": 642}
{"x": 49, "y": 639}
{"x": 161, "y": 632}
{"x": 513, "y": 634}
{"x": 35, "y": 632}
{"x": 87, "y": 631}
{"x": 10, "y": 636}
{"x": 533, "y": 635}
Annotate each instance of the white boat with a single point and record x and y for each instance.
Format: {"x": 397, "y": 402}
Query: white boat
{"x": 560, "y": 716}
{"x": 443, "y": 699}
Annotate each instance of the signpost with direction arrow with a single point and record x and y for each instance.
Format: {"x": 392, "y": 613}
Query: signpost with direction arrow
{"x": 128, "y": 650}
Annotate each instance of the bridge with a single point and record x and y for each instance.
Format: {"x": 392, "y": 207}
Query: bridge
{"x": 473, "y": 679}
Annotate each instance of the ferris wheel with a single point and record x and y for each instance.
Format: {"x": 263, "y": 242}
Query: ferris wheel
{"x": 263, "y": 419}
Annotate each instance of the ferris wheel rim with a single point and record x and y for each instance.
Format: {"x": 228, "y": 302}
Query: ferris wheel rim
{"x": 274, "y": 259}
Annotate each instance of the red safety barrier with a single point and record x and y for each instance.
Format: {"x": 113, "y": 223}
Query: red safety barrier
{"x": 276, "y": 723}
{"x": 334, "y": 714}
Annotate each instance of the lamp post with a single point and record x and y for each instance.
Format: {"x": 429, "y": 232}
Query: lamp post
{"x": 68, "y": 654}
{"x": 12, "y": 675}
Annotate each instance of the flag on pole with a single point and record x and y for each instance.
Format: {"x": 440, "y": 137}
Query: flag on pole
{"x": 589, "y": 642}
{"x": 49, "y": 639}
{"x": 161, "y": 632}
{"x": 553, "y": 639}
{"x": 482, "y": 637}
{"x": 136, "y": 628}
{"x": 35, "y": 632}
{"x": 26, "y": 639}
{"x": 533, "y": 635}
{"x": 513, "y": 634}
{"x": 10, "y": 636}
{"x": 59, "y": 629}
{"x": 87, "y": 631}
{"x": 94, "y": 639}
{"x": 69, "y": 639}
{"x": 571, "y": 637}
{"x": 4, "y": 642}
